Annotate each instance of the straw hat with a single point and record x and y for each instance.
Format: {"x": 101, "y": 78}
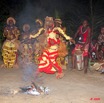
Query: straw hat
{"x": 58, "y": 21}
{"x": 49, "y": 21}
{"x": 11, "y": 18}
{"x": 25, "y": 26}
{"x": 39, "y": 21}
{"x": 48, "y": 18}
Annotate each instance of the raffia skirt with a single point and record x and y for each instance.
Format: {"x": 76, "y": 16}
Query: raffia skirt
{"x": 9, "y": 53}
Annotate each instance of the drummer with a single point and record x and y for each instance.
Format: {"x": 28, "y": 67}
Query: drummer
{"x": 83, "y": 34}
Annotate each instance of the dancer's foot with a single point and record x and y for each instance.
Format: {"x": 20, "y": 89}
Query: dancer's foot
{"x": 85, "y": 71}
{"x": 59, "y": 75}
{"x": 40, "y": 74}
{"x": 73, "y": 66}
{"x": 3, "y": 66}
{"x": 16, "y": 66}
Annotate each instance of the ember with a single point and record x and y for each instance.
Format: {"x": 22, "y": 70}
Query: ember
{"x": 35, "y": 90}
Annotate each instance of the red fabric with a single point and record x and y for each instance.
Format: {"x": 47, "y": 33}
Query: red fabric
{"x": 16, "y": 57}
{"x": 84, "y": 34}
{"x": 85, "y": 52}
{"x": 49, "y": 31}
{"x": 53, "y": 41}
{"x": 47, "y": 68}
{"x": 93, "y": 47}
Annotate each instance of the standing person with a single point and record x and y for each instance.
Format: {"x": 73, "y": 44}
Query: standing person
{"x": 26, "y": 48}
{"x": 47, "y": 61}
{"x": 82, "y": 45}
{"x": 100, "y": 54}
{"x": 39, "y": 37}
{"x": 27, "y": 54}
{"x": 10, "y": 46}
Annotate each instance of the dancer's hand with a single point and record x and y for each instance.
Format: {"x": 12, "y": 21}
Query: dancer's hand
{"x": 82, "y": 48}
{"x": 59, "y": 75}
{"x": 30, "y": 36}
{"x": 73, "y": 41}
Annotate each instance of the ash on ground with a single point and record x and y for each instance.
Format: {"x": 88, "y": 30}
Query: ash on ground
{"x": 35, "y": 90}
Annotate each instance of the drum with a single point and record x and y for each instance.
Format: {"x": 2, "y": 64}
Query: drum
{"x": 79, "y": 60}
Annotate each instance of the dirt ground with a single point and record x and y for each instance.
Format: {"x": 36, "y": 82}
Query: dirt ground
{"x": 74, "y": 87}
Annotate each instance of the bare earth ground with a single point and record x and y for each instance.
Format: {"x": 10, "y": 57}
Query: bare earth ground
{"x": 74, "y": 87}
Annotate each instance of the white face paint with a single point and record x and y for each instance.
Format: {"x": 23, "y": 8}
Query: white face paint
{"x": 80, "y": 38}
{"x": 93, "y": 53}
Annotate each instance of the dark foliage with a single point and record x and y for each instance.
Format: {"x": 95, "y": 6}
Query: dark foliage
{"x": 72, "y": 12}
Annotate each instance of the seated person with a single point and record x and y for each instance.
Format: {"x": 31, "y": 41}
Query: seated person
{"x": 93, "y": 50}
{"x": 100, "y": 52}
{"x": 101, "y": 44}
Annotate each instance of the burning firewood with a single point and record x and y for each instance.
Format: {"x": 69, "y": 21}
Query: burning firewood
{"x": 35, "y": 89}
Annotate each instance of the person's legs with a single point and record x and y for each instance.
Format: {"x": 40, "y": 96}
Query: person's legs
{"x": 73, "y": 61}
{"x": 85, "y": 64}
{"x": 86, "y": 55}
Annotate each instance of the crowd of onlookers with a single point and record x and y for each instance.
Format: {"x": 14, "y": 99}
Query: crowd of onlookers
{"x": 91, "y": 48}
{"x": 33, "y": 42}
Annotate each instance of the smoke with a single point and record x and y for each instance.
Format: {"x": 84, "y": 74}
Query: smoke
{"x": 29, "y": 72}
{"x": 29, "y": 14}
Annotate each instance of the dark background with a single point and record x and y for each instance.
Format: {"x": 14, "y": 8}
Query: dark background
{"x": 72, "y": 12}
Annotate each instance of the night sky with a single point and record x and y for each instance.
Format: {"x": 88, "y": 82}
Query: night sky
{"x": 72, "y": 12}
